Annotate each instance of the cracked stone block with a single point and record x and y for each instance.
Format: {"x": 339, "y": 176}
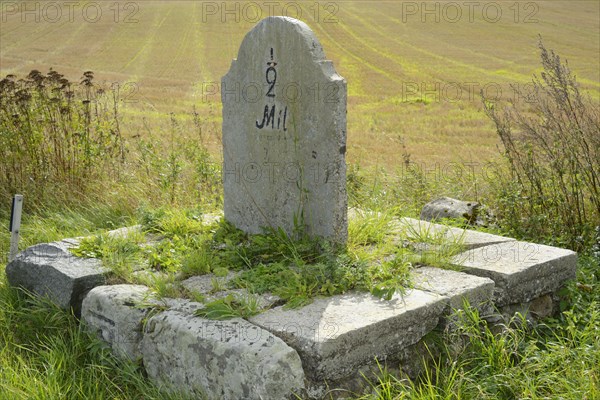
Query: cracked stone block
{"x": 457, "y": 286}
{"x": 336, "y": 335}
{"x": 116, "y": 314}
{"x": 50, "y": 270}
{"x": 416, "y": 229}
{"x": 222, "y": 360}
{"x": 521, "y": 271}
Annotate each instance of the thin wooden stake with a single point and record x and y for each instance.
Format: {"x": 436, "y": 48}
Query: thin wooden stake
{"x": 15, "y": 226}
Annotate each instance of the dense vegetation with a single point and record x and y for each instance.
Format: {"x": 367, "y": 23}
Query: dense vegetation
{"x": 79, "y": 175}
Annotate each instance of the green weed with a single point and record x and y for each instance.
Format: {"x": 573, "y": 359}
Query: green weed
{"x": 231, "y": 306}
{"x": 56, "y": 133}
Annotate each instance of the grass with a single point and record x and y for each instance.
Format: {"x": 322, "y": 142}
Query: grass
{"x": 46, "y": 354}
{"x": 294, "y": 269}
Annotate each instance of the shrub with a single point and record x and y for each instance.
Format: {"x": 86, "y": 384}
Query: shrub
{"x": 553, "y": 150}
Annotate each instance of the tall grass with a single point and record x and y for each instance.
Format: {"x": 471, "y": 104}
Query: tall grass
{"x": 65, "y": 144}
{"x": 552, "y": 145}
{"x": 46, "y": 354}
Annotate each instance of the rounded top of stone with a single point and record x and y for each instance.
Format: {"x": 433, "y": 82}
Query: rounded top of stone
{"x": 289, "y": 31}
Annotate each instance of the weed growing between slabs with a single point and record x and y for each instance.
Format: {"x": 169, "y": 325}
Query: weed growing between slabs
{"x": 172, "y": 245}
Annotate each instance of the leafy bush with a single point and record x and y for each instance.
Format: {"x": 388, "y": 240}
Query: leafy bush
{"x": 553, "y": 149}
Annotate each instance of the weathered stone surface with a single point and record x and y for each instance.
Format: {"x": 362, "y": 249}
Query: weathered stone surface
{"x": 208, "y": 283}
{"x": 116, "y": 313}
{"x": 284, "y": 133}
{"x": 183, "y": 306}
{"x": 215, "y": 288}
{"x": 49, "y": 269}
{"x": 446, "y": 207}
{"x": 336, "y": 335}
{"x": 224, "y": 360}
{"x": 416, "y": 230}
{"x": 522, "y": 271}
{"x": 457, "y": 286}
{"x": 531, "y": 311}
{"x": 542, "y": 307}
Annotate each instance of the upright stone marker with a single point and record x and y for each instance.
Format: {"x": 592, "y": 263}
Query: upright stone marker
{"x": 284, "y": 134}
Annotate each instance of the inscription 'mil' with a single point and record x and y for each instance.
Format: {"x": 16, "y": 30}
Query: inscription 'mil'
{"x": 269, "y": 114}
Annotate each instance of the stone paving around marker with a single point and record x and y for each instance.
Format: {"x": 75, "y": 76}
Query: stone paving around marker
{"x": 305, "y": 350}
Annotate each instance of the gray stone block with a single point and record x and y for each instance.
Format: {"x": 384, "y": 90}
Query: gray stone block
{"x": 336, "y": 335}
{"x": 457, "y": 286}
{"x": 415, "y": 229}
{"x": 116, "y": 314}
{"x": 284, "y": 133}
{"x": 50, "y": 270}
{"x": 522, "y": 271}
{"x": 204, "y": 285}
{"x": 223, "y": 360}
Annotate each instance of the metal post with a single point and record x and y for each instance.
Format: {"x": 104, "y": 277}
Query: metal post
{"x": 15, "y": 226}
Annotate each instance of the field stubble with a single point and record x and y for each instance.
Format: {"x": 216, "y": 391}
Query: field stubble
{"x": 413, "y": 77}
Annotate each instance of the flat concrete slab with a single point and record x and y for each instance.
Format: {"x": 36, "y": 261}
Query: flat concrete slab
{"x": 522, "y": 271}
{"x": 416, "y": 230}
{"x": 457, "y": 286}
{"x": 336, "y": 335}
